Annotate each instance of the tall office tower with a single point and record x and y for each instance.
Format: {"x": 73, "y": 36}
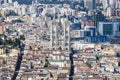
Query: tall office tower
{"x": 98, "y": 17}
{"x": 60, "y": 34}
{"x": 90, "y": 4}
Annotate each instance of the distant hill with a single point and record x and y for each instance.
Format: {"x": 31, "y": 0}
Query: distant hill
{"x": 45, "y": 2}
{"x": 24, "y": 1}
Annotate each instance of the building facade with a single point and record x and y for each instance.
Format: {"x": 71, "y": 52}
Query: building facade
{"x": 90, "y": 4}
{"x": 60, "y": 34}
{"x": 109, "y": 28}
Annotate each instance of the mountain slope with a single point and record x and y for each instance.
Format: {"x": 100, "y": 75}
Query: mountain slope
{"x": 24, "y": 1}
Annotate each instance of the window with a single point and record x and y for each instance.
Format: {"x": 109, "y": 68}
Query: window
{"x": 53, "y": 37}
{"x": 67, "y": 37}
{"x": 87, "y": 33}
{"x": 107, "y": 29}
{"x": 66, "y": 44}
{"x": 53, "y": 31}
{"x": 66, "y": 48}
{"x": 53, "y": 44}
{"x": 66, "y": 32}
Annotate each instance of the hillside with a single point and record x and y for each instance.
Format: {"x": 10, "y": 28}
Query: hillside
{"x": 24, "y": 1}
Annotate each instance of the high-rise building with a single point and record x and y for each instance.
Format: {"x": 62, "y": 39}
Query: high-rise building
{"x": 98, "y": 16}
{"x": 60, "y": 34}
{"x": 90, "y": 4}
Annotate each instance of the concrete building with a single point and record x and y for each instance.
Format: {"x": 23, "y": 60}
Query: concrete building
{"x": 90, "y": 4}
{"x": 60, "y": 34}
{"x": 109, "y": 28}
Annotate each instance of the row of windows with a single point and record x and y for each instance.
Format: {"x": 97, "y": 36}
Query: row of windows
{"x": 61, "y": 43}
{"x": 61, "y": 48}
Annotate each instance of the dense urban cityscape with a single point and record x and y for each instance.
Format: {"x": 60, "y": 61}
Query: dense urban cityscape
{"x": 59, "y": 39}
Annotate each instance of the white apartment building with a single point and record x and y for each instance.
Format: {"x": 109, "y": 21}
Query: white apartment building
{"x": 60, "y": 34}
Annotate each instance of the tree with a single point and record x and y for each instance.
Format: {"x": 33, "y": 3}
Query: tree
{"x": 17, "y": 41}
{"x": 8, "y": 42}
{"x": 22, "y": 37}
{"x": 98, "y": 57}
{"x": 4, "y": 61}
{"x": 47, "y": 64}
{"x": 1, "y": 42}
{"x": 88, "y": 64}
{"x": 7, "y": 50}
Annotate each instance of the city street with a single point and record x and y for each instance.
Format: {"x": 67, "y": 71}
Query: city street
{"x": 18, "y": 63}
